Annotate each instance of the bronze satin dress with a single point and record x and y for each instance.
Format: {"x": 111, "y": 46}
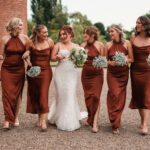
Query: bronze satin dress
{"x": 12, "y": 76}
{"x": 92, "y": 81}
{"x": 140, "y": 78}
{"x": 38, "y": 87}
{"x": 117, "y": 79}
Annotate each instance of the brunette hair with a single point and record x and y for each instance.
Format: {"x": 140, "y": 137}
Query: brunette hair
{"x": 145, "y": 21}
{"x": 68, "y": 30}
{"x": 92, "y": 30}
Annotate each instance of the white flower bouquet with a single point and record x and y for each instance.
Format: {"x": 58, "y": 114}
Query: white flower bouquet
{"x": 120, "y": 59}
{"x": 78, "y": 56}
{"x": 148, "y": 59}
{"x": 100, "y": 62}
{"x": 34, "y": 71}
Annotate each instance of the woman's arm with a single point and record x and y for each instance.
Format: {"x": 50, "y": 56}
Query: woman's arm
{"x": 130, "y": 58}
{"x": 55, "y": 56}
{"x": 2, "y": 46}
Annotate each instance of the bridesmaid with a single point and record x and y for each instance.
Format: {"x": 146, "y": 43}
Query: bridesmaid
{"x": 13, "y": 46}
{"x": 37, "y": 100}
{"x": 117, "y": 76}
{"x": 140, "y": 71}
{"x": 92, "y": 78}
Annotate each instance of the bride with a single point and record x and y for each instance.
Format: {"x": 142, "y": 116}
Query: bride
{"x": 64, "y": 111}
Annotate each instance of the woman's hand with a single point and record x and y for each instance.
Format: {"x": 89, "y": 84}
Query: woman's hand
{"x": 26, "y": 55}
{"x": 60, "y": 57}
{"x": 28, "y": 62}
{"x": 112, "y": 63}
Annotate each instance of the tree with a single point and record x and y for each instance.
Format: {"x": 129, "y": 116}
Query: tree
{"x": 43, "y": 11}
{"x": 79, "y": 22}
{"x": 148, "y": 14}
{"x": 101, "y": 28}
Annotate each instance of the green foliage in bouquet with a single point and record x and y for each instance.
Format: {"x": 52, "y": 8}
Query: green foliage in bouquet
{"x": 78, "y": 56}
{"x": 120, "y": 59}
{"x": 34, "y": 71}
{"x": 100, "y": 62}
{"x": 148, "y": 59}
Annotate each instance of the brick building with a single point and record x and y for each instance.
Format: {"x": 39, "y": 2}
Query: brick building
{"x": 10, "y": 9}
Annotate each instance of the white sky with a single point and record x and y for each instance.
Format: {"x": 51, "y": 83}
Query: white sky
{"x": 108, "y": 11}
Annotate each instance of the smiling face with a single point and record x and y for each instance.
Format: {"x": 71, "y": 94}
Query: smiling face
{"x": 64, "y": 36}
{"x": 43, "y": 33}
{"x": 114, "y": 34}
{"x": 86, "y": 37}
{"x": 18, "y": 29}
{"x": 139, "y": 26}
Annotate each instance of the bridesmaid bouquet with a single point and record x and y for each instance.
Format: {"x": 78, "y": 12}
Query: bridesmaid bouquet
{"x": 78, "y": 56}
{"x": 100, "y": 62}
{"x": 148, "y": 59}
{"x": 34, "y": 71}
{"x": 119, "y": 58}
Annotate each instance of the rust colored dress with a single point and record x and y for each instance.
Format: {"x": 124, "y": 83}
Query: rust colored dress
{"x": 92, "y": 81}
{"x": 38, "y": 87}
{"x": 12, "y": 76}
{"x": 117, "y": 78}
{"x": 140, "y": 78}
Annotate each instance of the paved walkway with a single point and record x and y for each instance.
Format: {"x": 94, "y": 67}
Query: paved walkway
{"x": 27, "y": 136}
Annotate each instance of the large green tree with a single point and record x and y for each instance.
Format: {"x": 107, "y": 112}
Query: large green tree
{"x": 43, "y": 10}
{"x": 79, "y": 22}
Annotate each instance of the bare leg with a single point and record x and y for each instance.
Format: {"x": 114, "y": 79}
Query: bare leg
{"x": 141, "y": 115}
{"x": 16, "y": 123}
{"x": 95, "y": 123}
{"x": 43, "y": 118}
{"x": 145, "y": 121}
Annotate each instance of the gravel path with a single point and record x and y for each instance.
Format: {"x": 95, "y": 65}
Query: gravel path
{"x": 27, "y": 136}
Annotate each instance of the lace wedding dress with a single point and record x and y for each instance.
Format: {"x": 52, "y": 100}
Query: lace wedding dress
{"x": 64, "y": 111}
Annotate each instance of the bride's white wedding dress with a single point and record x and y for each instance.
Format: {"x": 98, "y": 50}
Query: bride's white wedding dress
{"x": 64, "y": 111}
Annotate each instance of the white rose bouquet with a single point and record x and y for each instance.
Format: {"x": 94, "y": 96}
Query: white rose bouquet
{"x": 34, "y": 71}
{"x": 78, "y": 56}
{"x": 120, "y": 59}
{"x": 100, "y": 62}
{"x": 148, "y": 59}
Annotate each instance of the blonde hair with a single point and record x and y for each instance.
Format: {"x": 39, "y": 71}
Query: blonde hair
{"x": 119, "y": 29}
{"x": 36, "y": 29}
{"x": 12, "y": 24}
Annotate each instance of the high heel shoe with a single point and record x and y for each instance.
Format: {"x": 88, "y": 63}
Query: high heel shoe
{"x": 144, "y": 131}
{"x": 115, "y": 131}
{"x": 43, "y": 126}
{"x": 6, "y": 126}
{"x": 94, "y": 130}
{"x": 16, "y": 123}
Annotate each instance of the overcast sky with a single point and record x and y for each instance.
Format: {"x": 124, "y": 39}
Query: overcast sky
{"x": 108, "y": 11}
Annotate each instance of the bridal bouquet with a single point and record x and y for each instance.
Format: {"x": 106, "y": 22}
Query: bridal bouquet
{"x": 34, "y": 71}
{"x": 148, "y": 59}
{"x": 100, "y": 62}
{"x": 119, "y": 58}
{"x": 78, "y": 56}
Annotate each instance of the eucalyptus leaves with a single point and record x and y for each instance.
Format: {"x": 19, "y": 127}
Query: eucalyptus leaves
{"x": 100, "y": 62}
{"x": 34, "y": 71}
{"x": 78, "y": 56}
{"x": 148, "y": 59}
{"x": 119, "y": 58}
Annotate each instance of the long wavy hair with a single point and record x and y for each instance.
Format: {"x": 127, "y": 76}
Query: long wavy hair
{"x": 36, "y": 29}
{"x": 145, "y": 21}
